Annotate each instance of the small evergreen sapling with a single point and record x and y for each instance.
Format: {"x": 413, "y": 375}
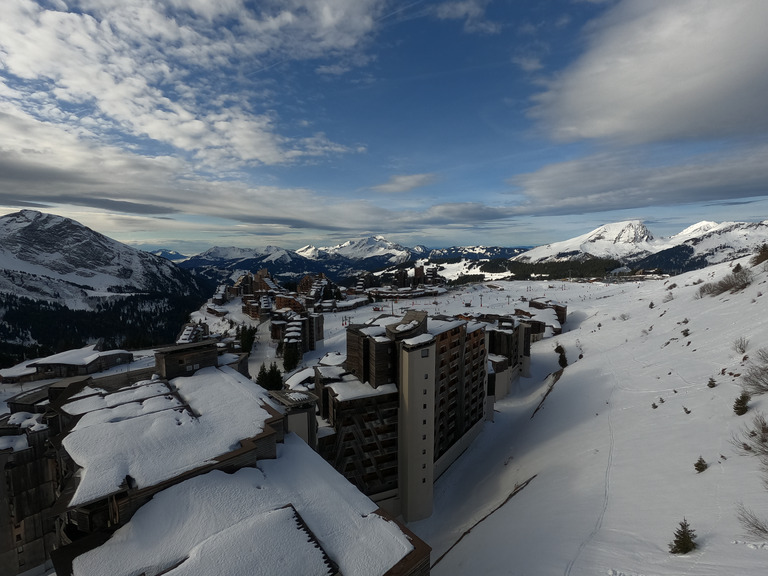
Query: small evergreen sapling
{"x": 700, "y": 465}
{"x": 740, "y": 406}
{"x": 685, "y": 539}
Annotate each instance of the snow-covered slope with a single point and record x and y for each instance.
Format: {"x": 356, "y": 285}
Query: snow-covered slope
{"x": 631, "y": 242}
{"x": 722, "y": 242}
{"x": 610, "y": 452}
{"x": 619, "y": 241}
{"x": 55, "y": 258}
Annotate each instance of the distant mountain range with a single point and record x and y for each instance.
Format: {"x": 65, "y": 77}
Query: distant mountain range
{"x": 62, "y": 285}
{"x": 171, "y": 255}
{"x": 631, "y": 243}
{"x": 49, "y": 257}
{"x": 350, "y": 258}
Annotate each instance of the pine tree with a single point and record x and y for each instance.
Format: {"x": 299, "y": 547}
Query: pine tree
{"x": 261, "y": 378}
{"x": 291, "y": 358}
{"x": 741, "y": 405}
{"x": 274, "y": 378}
{"x": 700, "y": 465}
{"x": 685, "y": 539}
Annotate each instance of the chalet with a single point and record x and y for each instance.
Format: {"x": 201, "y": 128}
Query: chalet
{"x": 88, "y": 360}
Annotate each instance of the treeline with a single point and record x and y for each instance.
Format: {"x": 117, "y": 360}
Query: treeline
{"x": 589, "y": 268}
{"x": 33, "y": 329}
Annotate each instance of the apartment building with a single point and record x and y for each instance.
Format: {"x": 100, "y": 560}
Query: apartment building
{"x": 410, "y": 398}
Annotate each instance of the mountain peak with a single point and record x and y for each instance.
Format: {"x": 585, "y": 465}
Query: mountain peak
{"x": 697, "y": 229}
{"x": 627, "y": 232}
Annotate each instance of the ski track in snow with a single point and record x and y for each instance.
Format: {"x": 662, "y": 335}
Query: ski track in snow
{"x": 606, "y": 484}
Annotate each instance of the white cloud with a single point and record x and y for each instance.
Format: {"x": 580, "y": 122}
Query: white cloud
{"x": 333, "y": 69}
{"x": 629, "y": 179}
{"x": 473, "y": 14}
{"x": 657, "y": 70}
{"x": 528, "y": 63}
{"x": 177, "y": 73}
{"x": 404, "y": 183}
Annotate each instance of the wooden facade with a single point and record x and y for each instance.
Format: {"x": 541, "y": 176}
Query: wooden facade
{"x": 185, "y": 359}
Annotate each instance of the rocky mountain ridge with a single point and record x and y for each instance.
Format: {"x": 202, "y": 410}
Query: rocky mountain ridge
{"x": 631, "y": 243}
{"x": 56, "y": 254}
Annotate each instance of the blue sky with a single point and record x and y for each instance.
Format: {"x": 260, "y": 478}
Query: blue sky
{"x": 190, "y": 123}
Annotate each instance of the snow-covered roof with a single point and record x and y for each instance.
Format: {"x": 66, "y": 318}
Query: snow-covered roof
{"x": 300, "y": 377}
{"x": 24, "y": 369}
{"x": 350, "y": 388}
{"x": 420, "y": 339}
{"x": 336, "y": 371}
{"x": 333, "y": 359}
{"x": 156, "y": 439}
{"x": 27, "y": 421}
{"x": 14, "y": 443}
{"x": 437, "y": 326}
{"x": 100, "y": 399}
{"x": 243, "y": 523}
{"x": 77, "y": 357}
{"x": 376, "y": 330}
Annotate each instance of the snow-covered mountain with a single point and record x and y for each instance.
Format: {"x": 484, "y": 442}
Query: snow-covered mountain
{"x": 346, "y": 259}
{"x": 43, "y": 256}
{"x": 171, "y": 255}
{"x": 618, "y": 241}
{"x": 629, "y": 242}
{"x": 222, "y": 262}
{"x": 363, "y": 249}
{"x": 62, "y": 285}
{"x": 632, "y": 243}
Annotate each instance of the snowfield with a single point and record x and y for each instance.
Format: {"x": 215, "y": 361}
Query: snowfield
{"x": 610, "y": 476}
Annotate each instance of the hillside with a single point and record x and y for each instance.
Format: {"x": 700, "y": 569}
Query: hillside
{"x": 62, "y": 285}
{"x": 611, "y": 476}
{"x": 47, "y": 257}
{"x": 632, "y": 243}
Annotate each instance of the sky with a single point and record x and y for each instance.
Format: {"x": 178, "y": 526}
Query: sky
{"x": 187, "y": 124}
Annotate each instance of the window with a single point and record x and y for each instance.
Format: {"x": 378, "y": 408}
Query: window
{"x": 423, "y": 436}
{"x": 424, "y": 422}
{"x": 425, "y": 353}
{"x": 426, "y": 376}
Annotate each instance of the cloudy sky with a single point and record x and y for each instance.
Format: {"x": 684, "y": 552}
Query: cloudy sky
{"x": 192, "y": 123}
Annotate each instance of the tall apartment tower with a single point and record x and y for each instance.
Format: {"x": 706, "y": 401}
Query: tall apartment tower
{"x": 416, "y": 427}
{"x": 437, "y": 369}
